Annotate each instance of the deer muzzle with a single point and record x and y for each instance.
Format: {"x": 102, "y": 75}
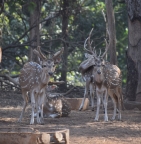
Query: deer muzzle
{"x": 99, "y": 72}
{"x": 50, "y": 73}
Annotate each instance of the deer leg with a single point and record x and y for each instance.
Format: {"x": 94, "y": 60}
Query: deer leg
{"x": 102, "y": 104}
{"x": 38, "y": 113}
{"x": 117, "y": 95}
{"x": 98, "y": 107}
{"x": 33, "y": 107}
{"x": 105, "y": 105}
{"x": 85, "y": 95}
{"x": 40, "y": 119}
{"x": 92, "y": 96}
{"x": 89, "y": 98}
{"x": 115, "y": 108}
{"x": 25, "y": 97}
{"x": 113, "y": 97}
{"x": 119, "y": 106}
{"x": 41, "y": 99}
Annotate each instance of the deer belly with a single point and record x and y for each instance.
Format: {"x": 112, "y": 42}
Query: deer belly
{"x": 100, "y": 90}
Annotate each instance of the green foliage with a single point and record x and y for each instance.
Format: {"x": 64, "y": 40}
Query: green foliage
{"x": 83, "y": 16}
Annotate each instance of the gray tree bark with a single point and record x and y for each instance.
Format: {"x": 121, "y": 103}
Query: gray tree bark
{"x": 133, "y": 90}
{"x": 65, "y": 21}
{"x": 35, "y": 32}
{"x": 112, "y": 31}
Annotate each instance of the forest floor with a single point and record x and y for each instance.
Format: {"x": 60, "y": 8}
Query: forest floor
{"x": 83, "y": 129}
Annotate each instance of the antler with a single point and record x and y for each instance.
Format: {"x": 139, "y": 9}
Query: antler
{"x": 89, "y": 43}
{"x": 100, "y": 53}
{"x": 86, "y": 48}
{"x": 41, "y": 54}
{"x": 58, "y": 53}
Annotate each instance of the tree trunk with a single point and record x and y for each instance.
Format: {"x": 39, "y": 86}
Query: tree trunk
{"x": 65, "y": 20}
{"x": 112, "y": 31}
{"x": 35, "y": 32}
{"x": 132, "y": 82}
{"x": 134, "y": 49}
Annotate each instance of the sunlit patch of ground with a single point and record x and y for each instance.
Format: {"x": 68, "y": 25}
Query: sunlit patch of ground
{"x": 83, "y": 129}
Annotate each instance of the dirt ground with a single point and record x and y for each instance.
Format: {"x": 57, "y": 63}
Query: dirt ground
{"x": 83, "y": 129}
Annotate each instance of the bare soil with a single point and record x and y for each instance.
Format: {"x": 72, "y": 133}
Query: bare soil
{"x": 83, "y": 129}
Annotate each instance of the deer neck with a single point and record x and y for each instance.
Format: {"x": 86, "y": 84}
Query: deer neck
{"x": 99, "y": 80}
{"x": 44, "y": 77}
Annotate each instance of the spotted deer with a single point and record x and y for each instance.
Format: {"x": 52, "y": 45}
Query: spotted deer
{"x": 56, "y": 105}
{"x": 33, "y": 79}
{"x": 86, "y": 68}
{"x": 106, "y": 79}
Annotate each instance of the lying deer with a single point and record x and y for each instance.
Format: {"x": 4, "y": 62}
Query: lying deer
{"x": 33, "y": 79}
{"x": 56, "y": 105}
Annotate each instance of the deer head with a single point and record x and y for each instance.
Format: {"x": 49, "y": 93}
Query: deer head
{"x": 48, "y": 63}
{"x": 34, "y": 74}
{"x": 98, "y": 61}
{"x": 98, "y": 69}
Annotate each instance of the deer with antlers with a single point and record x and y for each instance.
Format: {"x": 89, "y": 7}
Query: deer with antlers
{"x": 86, "y": 68}
{"x": 106, "y": 79}
{"x": 33, "y": 79}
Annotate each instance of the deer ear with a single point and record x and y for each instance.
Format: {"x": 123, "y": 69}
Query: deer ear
{"x": 87, "y": 55}
{"x": 57, "y": 56}
{"x": 54, "y": 87}
{"x": 0, "y": 54}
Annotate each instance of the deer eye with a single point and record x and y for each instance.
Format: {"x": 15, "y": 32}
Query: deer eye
{"x": 43, "y": 66}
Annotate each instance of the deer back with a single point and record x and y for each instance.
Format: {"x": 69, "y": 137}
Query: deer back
{"x": 113, "y": 76}
{"x": 30, "y": 75}
{"x": 86, "y": 64}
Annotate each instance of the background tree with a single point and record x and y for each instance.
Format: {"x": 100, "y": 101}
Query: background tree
{"x": 64, "y": 24}
{"x": 111, "y": 30}
{"x": 35, "y": 32}
{"x": 134, "y": 50}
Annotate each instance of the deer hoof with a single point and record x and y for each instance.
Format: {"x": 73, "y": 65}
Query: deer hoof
{"x": 42, "y": 121}
{"x": 112, "y": 119}
{"x": 31, "y": 123}
{"x": 119, "y": 119}
{"x": 106, "y": 120}
{"x": 80, "y": 109}
{"x": 96, "y": 120}
{"x": 92, "y": 109}
{"x": 18, "y": 120}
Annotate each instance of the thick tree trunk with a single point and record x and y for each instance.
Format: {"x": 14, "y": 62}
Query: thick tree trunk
{"x": 131, "y": 85}
{"x": 65, "y": 20}
{"x": 35, "y": 32}
{"x": 134, "y": 48}
{"x": 112, "y": 31}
